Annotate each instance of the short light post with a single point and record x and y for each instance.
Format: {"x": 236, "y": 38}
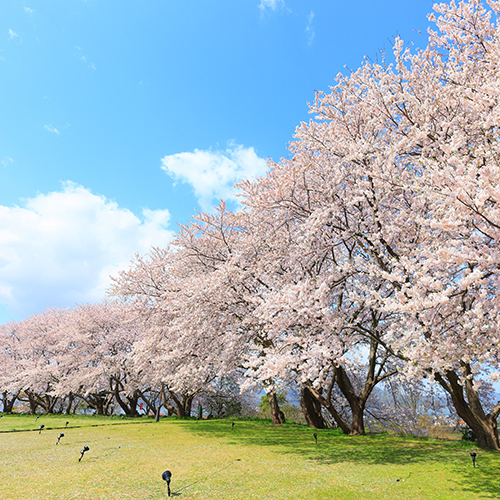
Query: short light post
{"x": 85, "y": 448}
{"x": 167, "y": 476}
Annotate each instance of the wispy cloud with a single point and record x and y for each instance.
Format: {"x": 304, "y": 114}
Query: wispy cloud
{"x": 6, "y": 161}
{"x": 271, "y": 5}
{"x": 52, "y": 129}
{"x": 310, "y": 28}
{"x": 28, "y": 10}
{"x": 212, "y": 174}
{"x": 85, "y": 59}
{"x": 12, "y": 35}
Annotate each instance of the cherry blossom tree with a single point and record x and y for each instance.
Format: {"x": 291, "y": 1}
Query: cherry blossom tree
{"x": 398, "y": 169}
{"x": 94, "y": 353}
{"x": 8, "y": 367}
{"x": 445, "y": 114}
{"x": 182, "y": 352}
{"x": 402, "y": 161}
{"x": 30, "y": 347}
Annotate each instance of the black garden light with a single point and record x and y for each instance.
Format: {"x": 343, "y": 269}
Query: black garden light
{"x": 315, "y": 437}
{"x": 167, "y": 476}
{"x": 232, "y": 425}
{"x": 66, "y": 424}
{"x": 59, "y": 437}
{"x": 41, "y": 428}
{"x": 473, "y": 456}
{"x": 85, "y": 448}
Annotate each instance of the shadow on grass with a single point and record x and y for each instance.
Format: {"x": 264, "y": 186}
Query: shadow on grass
{"x": 379, "y": 449}
{"x": 484, "y": 478}
{"x": 17, "y": 422}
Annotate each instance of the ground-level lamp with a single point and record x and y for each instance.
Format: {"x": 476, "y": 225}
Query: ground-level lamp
{"x": 59, "y": 437}
{"x": 41, "y": 428}
{"x": 316, "y": 437}
{"x": 167, "y": 476}
{"x": 85, "y": 448}
{"x": 473, "y": 456}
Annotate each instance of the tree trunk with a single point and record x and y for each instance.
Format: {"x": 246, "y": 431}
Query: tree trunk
{"x": 71, "y": 398}
{"x": 470, "y": 409}
{"x": 183, "y": 404}
{"x": 98, "y": 402}
{"x": 32, "y": 402}
{"x": 327, "y": 403}
{"x": 129, "y": 406}
{"x": 375, "y": 374}
{"x": 50, "y": 403}
{"x": 357, "y": 423}
{"x": 356, "y": 403}
{"x": 98, "y": 406}
{"x": 179, "y": 408}
{"x": 8, "y": 403}
{"x": 277, "y": 416}
{"x": 311, "y": 408}
{"x": 187, "y": 403}
{"x": 157, "y": 414}
{"x": 149, "y": 402}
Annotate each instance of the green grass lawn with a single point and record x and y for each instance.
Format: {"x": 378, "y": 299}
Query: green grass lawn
{"x": 212, "y": 460}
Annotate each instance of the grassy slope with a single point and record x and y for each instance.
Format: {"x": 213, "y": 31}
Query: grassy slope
{"x": 210, "y": 460}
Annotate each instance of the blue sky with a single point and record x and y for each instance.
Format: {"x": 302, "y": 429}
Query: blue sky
{"x": 119, "y": 119}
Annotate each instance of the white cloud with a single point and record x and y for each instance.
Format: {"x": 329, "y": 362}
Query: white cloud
{"x": 52, "y": 129}
{"x": 60, "y": 248}
{"x": 310, "y": 28}
{"x": 214, "y": 173}
{"x": 28, "y": 10}
{"x": 12, "y": 35}
{"x": 271, "y": 4}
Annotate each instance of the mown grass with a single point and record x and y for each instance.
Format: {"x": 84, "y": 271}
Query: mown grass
{"x": 213, "y": 460}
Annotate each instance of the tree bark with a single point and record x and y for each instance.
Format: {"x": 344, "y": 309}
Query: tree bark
{"x": 311, "y": 408}
{"x": 8, "y": 403}
{"x": 358, "y": 423}
{"x": 183, "y": 403}
{"x": 375, "y": 374}
{"x": 98, "y": 401}
{"x": 149, "y": 402}
{"x": 327, "y": 403}
{"x": 468, "y": 406}
{"x": 129, "y": 406}
{"x": 277, "y": 416}
{"x": 71, "y": 398}
{"x": 32, "y": 400}
{"x": 356, "y": 403}
{"x": 50, "y": 403}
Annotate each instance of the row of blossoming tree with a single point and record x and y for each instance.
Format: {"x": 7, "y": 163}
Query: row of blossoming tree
{"x": 372, "y": 251}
